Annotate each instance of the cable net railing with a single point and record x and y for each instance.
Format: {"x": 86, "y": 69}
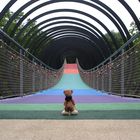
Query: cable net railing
{"x": 20, "y": 76}
{"x": 119, "y": 75}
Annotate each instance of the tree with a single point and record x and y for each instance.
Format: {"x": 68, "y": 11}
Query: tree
{"x": 6, "y": 18}
{"x": 117, "y": 37}
{"x": 134, "y": 30}
{"x": 22, "y": 40}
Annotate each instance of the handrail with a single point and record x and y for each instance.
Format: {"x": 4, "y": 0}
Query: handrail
{"x": 120, "y": 76}
{"x": 23, "y": 49}
{"x": 124, "y": 46}
{"x": 21, "y": 75}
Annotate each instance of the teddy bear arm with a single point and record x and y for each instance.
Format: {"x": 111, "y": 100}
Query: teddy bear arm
{"x": 73, "y": 102}
{"x": 65, "y": 103}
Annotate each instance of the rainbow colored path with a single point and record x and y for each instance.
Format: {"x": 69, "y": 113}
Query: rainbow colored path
{"x": 49, "y": 103}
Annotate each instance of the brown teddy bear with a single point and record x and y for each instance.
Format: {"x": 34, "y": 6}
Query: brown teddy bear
{"x": 69, "y": 104}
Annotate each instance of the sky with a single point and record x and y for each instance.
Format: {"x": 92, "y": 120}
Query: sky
{"x": 114, "y": 4}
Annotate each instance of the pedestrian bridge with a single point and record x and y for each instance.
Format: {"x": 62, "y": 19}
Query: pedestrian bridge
{"x": 35, "y": 57}
{"x": 91, "y": 103}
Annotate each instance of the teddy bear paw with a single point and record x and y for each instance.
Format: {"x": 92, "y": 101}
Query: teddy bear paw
{"x": 75, "y": 112}
{"x": 64, "y": 112}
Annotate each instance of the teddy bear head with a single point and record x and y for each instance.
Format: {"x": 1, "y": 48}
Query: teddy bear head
{"x": 68, "y": 92}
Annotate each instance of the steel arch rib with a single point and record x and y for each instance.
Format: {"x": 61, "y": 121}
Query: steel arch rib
{"x": 87, "y": 33}
{"x": 98, "y": 2}
{"x": 57, "y": 23}
{"x": 115, "y": 16}
{"x": 55, "y": 34}
{"x": 131, "y": 12}
{"x": 99, "y": 51}
{"x": 17, "y": 13}
{"x": 38, "y": 40}
{"x": 71, "y": 18}
{"x": 83, "y": 2}
{"x": 61, "y": 32}
{"x": 6, "y": 8}
{"x": 69, "y": 32}
{"x": 80, "y": 12}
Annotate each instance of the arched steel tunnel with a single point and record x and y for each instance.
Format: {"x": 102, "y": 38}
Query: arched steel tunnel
{"x": 67, "y": 36}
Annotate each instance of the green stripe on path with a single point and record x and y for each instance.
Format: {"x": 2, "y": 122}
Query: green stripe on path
{"x": 80, "y": 106}
{"x": 71, "y": 81}
{"x": 84, "y": 115}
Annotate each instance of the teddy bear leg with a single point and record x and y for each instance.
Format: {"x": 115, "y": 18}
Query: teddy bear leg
{"x": 64, "y": 112}
{"x": 75, "y": 112}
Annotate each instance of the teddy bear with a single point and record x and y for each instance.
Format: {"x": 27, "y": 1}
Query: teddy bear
{"x": 69, "y": 104}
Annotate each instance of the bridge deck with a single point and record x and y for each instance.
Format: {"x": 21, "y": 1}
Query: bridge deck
{"x": 90, "y": 103}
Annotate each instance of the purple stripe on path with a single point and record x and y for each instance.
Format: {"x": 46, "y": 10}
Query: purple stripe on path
{"x": 44, "y": 99}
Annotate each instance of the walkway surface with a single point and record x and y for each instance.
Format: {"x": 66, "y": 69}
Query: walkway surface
{"x": 101, "y": 116}
{"x": 91, "y": 104}
{"x": 71, "y": 130}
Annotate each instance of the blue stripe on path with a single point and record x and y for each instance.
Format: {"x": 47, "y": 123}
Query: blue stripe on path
{"x": 44, "y": 99}
{"x": 76, "y": 92}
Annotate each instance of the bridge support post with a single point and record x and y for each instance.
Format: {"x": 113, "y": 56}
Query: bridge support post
{"x": 122, "y": 73}
{"x": 102, "y": 73}
{"x": 46, "y": 80}
{"x": 97, "y": 79}
{"x": 91, "y": 84}
{"x": 21, "y": 72}
{"x": 110, "y": 76}
{"x": 94, "y": 79}
{"x": 41, "y": 79}
{"x": 33, "y": 76}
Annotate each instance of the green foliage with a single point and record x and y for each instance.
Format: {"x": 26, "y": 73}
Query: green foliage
{"x": 28, "y": 38}
{"x": 133, "y": 30}
{"x": 13, "y": 24}
{"x": 117, "y": 37}
{"x": 6, "y": 18}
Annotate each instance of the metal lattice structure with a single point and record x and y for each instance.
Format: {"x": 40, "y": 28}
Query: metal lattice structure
{"x": 20, "y": 76}
{"x": 75, "y": 27}
{"x": 119, "y": 75}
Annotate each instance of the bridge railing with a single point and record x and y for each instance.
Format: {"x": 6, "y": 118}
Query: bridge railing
{"x": 119, "y": 74}
{"x": 21, "y": 75}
